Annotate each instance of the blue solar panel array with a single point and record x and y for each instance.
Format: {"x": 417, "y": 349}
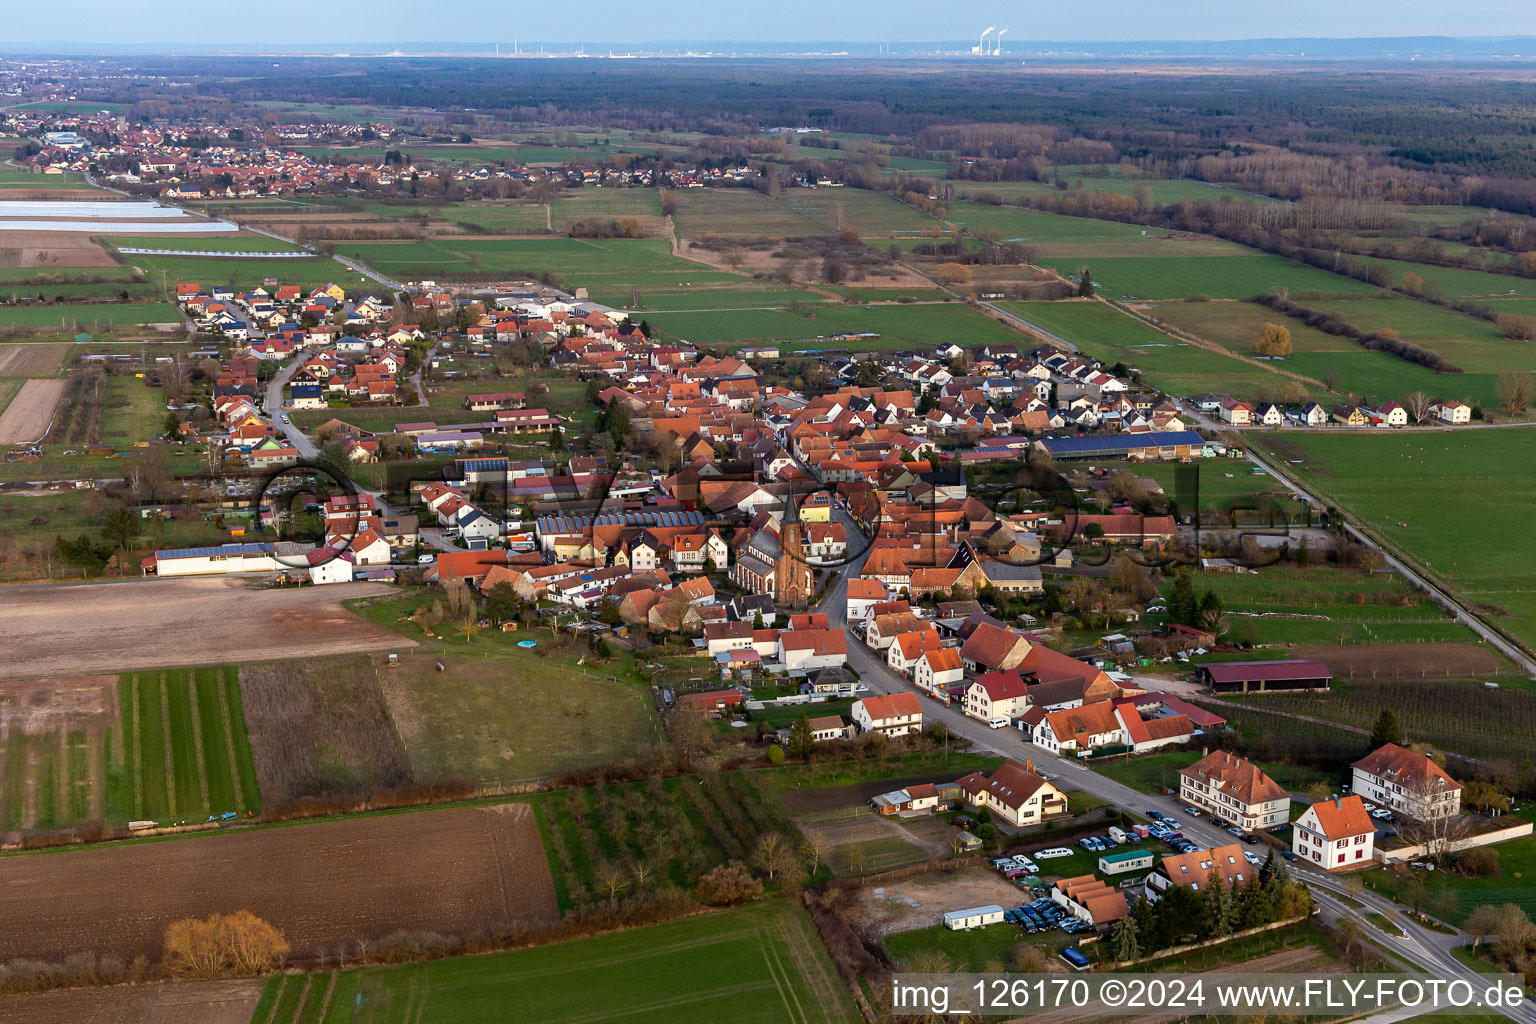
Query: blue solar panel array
{"x": 224, "y": 549}
{"x": 1122, "y": 442}
{"x": 576, "y": 524}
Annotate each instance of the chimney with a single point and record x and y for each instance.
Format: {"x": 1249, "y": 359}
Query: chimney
{"x": 1338, "y": 802}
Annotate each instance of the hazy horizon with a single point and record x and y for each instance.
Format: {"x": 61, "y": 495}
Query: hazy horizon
{"x": 84, "y": 23}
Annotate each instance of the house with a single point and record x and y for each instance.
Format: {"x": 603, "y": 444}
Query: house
{"x": 1393, "y": 414}
{"x": 1268, "y": 414}
{"x": 1451, "y": 412}
{"x": 805, "y": 650}
{"x": 329, "y": 565}
{"x": 1349, "y": 415}
{"x": 830, "y": 728}
{"x": 1091, "y": 900}
{"x": 1235, "y": 790}
{"x": 996, "y": 695}
{"x": 1238, "y": 414}
{"x": 862, "y": 593}
{"x": 1194, "y": 870}
{"x": 1121, "y": 862}
{"x": 1079, "y": 730}
{"x": 895, "y": 715}
{"x": 937, "y": 671}
{"x": 991, "y": 648}
{"x": 1014, "y": 792}
{"x": 1402, "y": 780}
{"x": 1313, "y": 414}
{"x": 1335, "y": 834}
{"x": 1147, "y": 734}
{"x": 906, "y": 648}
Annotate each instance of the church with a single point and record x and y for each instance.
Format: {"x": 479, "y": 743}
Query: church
{"x": 773, "y": 561}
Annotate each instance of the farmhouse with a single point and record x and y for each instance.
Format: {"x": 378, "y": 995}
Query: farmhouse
{"x": 1080, "y": 729}
{"x": 997, "y": 695}
{"x": 1265, "y": 676}
{"x": 1408, "y": 782}
{"x": 937, "y": 671}
{"x": 1233, "y": 789}
{"x": 1335, "y": 834}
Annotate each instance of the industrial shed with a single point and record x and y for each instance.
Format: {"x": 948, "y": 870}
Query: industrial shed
{"x": 1148, "y": 445}
{"x": 1265, "y": 676}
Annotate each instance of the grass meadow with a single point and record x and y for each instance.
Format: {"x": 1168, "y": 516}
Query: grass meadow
{"x": 1453, "y": 501}
{"x": 765, "y": 965}
{"x": 1220, "y": 271}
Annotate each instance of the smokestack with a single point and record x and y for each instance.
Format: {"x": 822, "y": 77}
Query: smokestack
{"x": 997, "y": 43}
{"x": 981, "y": 44}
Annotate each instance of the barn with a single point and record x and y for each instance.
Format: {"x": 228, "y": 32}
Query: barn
{"x": 1265, "y": 676}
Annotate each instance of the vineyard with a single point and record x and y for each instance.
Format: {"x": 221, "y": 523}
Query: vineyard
{"x": 78, "y": 420}
{"x": 1470, "y": 719}
{"x": 671, "y": 830}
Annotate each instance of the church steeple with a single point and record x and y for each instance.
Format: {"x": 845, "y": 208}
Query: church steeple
{"x": 792, "y": 577}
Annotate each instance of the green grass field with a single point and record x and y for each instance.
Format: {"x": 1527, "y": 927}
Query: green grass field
{"x": 1156, "y": 772}
{"x": 443, "y": 257}
{"x": 1473, "y": 344}
{"x": 1162, "y": 190}
{"x": 179, "y": 748}
{"x": 131, "y": 412}
{"x": 1326, "y": 358}
{"x": 900, "y": 326}
{"x": 1451, "y": 897}
{"x": 1458, "y": 284}
{"x": 1423, "y": 492}
{"x": 13, "y": 177}
{"x": 88, "y": 317}
{"x": 1049, "y": 230}
{"x": 766, "y": 965}
{"x": 1235, "y": 273}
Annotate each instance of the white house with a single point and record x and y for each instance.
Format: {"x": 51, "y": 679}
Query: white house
{"x": 328, "y": 565}
{"x": 1404, "y": 781}
{"x": 476, "y": 525}
{"x": 996, "y": 695}
{"x": 862, "y": 595}
{"x": 1451, "y": 412}
{"x": 1081, "y": 728}
{"x": 1014, "y": 792}
{"x": 906, "y": 648}
{"x": 810, "y": 649}
{"x": 1335, "y": 834}
{"x": 895, "y": 715}
{"x": 937, "y": 671}
{"x": 1234, "y": 789}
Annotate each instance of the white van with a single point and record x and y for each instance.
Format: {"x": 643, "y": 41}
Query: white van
{"x": 997, "y": 723}
{"x": 1118, "y": 836}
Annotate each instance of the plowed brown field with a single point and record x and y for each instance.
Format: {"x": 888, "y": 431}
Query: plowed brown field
{"x": 325, "y": 884}
{"x": 82, "y": 629}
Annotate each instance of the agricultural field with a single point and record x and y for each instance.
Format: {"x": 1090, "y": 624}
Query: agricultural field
{"x": 324, "y": 884}
{"x": 91, "y": 316}
{"x": 51, "y": 278}
{"x": 499, "y": 713}
{"x": 1223, "y": 271}
{"x": 1457, "y": 283}
{"x": 1326, "y": 606}
{"x": 27, "y": 415}
{"x": 676, "y": 829}
{"x": 873, "y": 215}
{"x": 1165, "y": 362}
{"x": 766, "y": 966}
{"x": 905, "y": 326}
{"x": 83, "y": 629}
{"x": 159, "y": 746}
{"x": 1162, "y": 190}
{"x": 1331, "y": 361}
{"x": 1051, "y": 231}
{"x": 187, "y": 1002}
{"x": 735, "y": 325}
{"x": 1449, "y": 896}
{"x": 740, "y": 212}
{"x": 320, "y": 728}
{"x": 130, "y": 411}
{"x": 1473, "y": 344}
{"x": 31, "y": 360}
{"x": 1414, "y": 492}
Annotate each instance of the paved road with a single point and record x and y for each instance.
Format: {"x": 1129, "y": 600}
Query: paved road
{"x": 1009, "y": 315}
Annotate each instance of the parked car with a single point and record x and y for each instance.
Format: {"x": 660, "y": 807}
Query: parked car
{"x": 1250, "y": 857}
{"x": 1287, "y": 854}
{"x": 1170, "y": 822}
{"x": 1053, "y": 852}
{"x": 1154, "y": 815}
{"x": 1193, "y": 812}
{"x": 1251, "y": 840}
{"x": 1234, "y": 830}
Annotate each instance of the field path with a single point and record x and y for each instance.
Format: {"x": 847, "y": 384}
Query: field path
{"x": 27, "y": 416}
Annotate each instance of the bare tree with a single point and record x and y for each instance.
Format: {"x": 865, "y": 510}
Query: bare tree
{"x": 611, "y": 882}
{"x": 772, "y": 854}
{"x": 815, "y": 849}
{"x": 1514, "y": 390}
{"x": 1417, "y": 405}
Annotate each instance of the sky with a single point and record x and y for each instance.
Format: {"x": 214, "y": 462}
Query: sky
{"x": 624, "y": 21}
